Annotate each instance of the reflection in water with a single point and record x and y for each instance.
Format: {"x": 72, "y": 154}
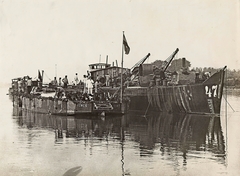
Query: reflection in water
{"x": 71, "y": 127}
{"x": 188, "y": 136}
{"x": 184, "y": 132}
{"x": 17, "y": 111}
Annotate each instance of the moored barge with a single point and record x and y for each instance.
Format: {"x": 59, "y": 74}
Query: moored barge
{"x": 144, "y": 87}
{"x": 147, "y": 87}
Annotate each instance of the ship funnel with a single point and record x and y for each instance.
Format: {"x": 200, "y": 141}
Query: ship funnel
{"x": 106, "y": 59}
{"x": 183, "y": 62}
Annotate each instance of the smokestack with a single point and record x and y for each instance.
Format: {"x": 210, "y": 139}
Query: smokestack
{"x": 107, "y": 59}
{"x": 183, "y": 62}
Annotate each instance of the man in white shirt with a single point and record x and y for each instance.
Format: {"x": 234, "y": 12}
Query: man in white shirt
{"x": 107, "y": 76}
{"x": 76, "y": 79}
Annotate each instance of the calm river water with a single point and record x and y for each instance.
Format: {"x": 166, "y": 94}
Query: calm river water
{"x": 159, "y": 144}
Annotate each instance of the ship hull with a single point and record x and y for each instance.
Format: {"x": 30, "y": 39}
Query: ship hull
{"x": 176, "y": 99}
{"x": 204, "y": 98}
{"x": 67, "y": 107}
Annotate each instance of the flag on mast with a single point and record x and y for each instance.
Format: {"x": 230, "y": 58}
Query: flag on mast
{"x": 125, "y": 44}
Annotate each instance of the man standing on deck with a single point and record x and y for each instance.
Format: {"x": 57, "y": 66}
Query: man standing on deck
{"x": 96, "y": 85}
{"x": 65, "y": 81}
{"x": 20, "y": 86}
{"x": 76, "y": 79}
{"x": 162, "y": 74}
{"x": 89, "y": 86}
{"x": 29, "y": 85}
{"x": 107, "y": 79}
{"x": 97, "y": 78}
{"x": 60, "y": 81}
{"x": 54, "y": 82}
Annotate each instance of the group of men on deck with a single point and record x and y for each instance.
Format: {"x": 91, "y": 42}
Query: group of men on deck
{"x": 24, "y": 84}
{"x": 160, "y": 77}
{"x": 64, "y": 82}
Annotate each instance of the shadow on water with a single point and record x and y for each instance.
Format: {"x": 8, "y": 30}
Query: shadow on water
{"x": 178, "y": 131}
{"x": 191, "y": 136}
{"x": 189, "y": 132}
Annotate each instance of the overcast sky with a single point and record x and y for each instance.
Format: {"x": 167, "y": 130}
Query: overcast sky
{"x": 62, "y": 37}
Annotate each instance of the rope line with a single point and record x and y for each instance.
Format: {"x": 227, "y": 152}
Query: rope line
{"x": 47, "y": 76}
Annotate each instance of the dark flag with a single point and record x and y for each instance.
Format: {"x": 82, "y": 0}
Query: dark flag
{"x": 126, "y": 47}
{"x": 39, "y": 76}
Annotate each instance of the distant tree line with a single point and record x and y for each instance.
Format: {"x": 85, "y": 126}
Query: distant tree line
{"x": 232, "y": 77}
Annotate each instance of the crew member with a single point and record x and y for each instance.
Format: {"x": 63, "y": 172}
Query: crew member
{"x": 89, "y": 86}
{"x": 162, "y": 74}
{"x": 65, "y": 81}
{"x": 29, "y": 85}
{"x": 96, "y": 85}
{"x": 60, "y": 81}
{"x": 98, "y": 78}
{"x": 20, "y": 86}
{"x": 54, "y": 82}
{"x": 156, "y": 75}
{"x": 76, "y": 79}
{"x": 107, "y": 76}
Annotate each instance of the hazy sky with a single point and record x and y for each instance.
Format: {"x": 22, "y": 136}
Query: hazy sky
{"x": 70, "y": 34}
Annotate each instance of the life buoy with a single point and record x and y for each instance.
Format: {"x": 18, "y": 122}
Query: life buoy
{"x": 102, "y": 80}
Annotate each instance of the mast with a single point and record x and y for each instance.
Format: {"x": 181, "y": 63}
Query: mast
{"x": 121, "y": 94}
{"x": 127, "y": 50}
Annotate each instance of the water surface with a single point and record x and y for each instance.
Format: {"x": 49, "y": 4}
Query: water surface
{"x": 133, "y": 144}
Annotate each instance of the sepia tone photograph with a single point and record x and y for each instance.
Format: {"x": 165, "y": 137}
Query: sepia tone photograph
{"x": 128, "y": 88}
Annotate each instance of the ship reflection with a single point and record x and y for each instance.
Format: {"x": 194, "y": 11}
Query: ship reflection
{"x": 184, "y": 134}
{"x": 72, "y": 127}
{"x": 179, "y": 131}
